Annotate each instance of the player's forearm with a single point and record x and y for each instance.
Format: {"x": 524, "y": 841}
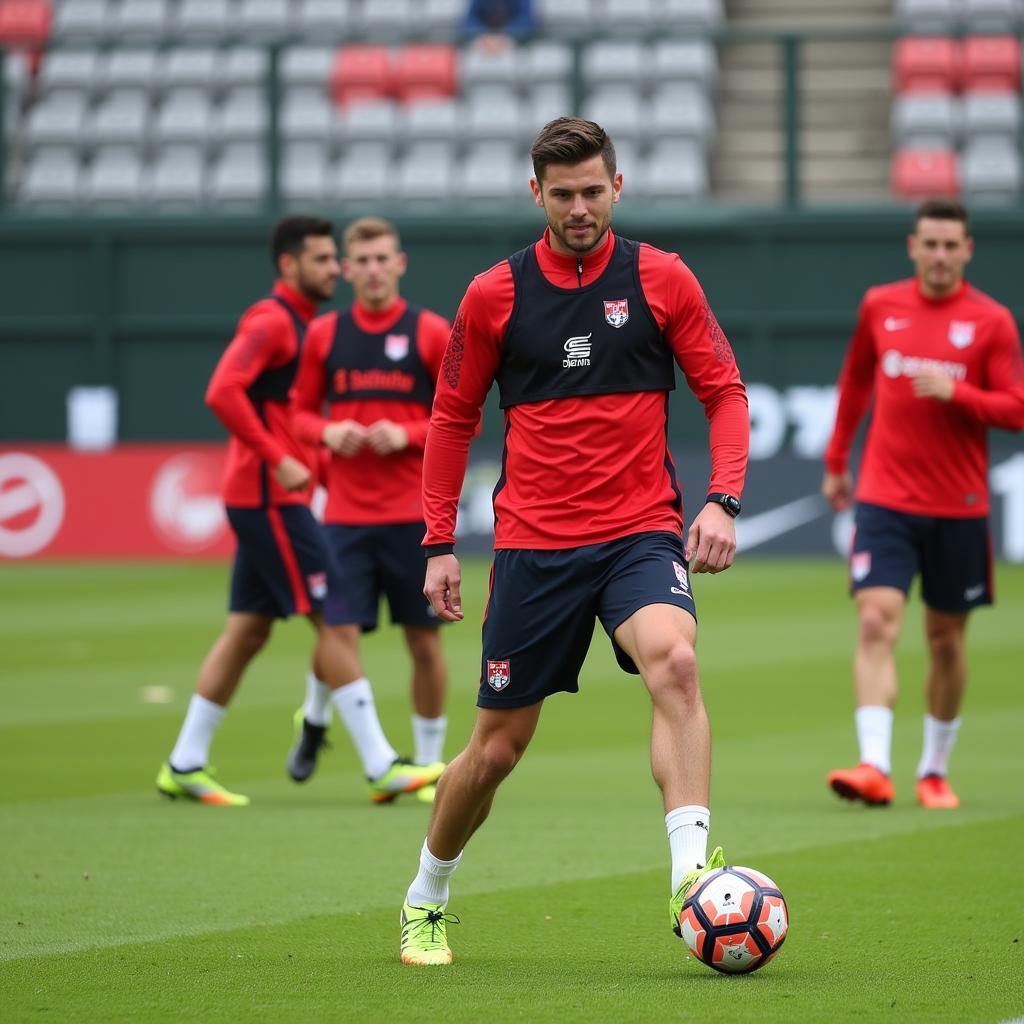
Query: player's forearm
{"x": 853, "y": 403}
{"x": 1002, "y": 409}
{"x": 729, "y": 436}
{"x": 416, "y": 432}
{"x": 308, "y": 426}
{"x": 445, "y": 458}
{"x": 231, "y": 405}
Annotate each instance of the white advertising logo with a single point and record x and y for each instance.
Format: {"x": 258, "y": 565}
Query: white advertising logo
{"x": 896, "y": 364}
{"x": 577, "y": 351}
{"x": 31, "y": 505}
{"x": 185, "y": 504}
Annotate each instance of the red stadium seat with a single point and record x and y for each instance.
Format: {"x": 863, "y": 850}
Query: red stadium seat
{"x": 991, "y": 64}
{"x": 24, "y": 23}
{"x": 920, "y": 173}
{"x": 426, "y": 70}
{"x": 362, "y": 72}
{"x": 928, "y": 64}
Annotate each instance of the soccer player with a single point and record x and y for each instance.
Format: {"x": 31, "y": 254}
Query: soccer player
{"x": 943, "y": 363}
{"x": 281, "y": 566}
{"x": 375, "y": 365}
{"x": 581, "y": 331}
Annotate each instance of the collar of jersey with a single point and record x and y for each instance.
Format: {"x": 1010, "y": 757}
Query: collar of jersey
{"x": 560, "y": 270}
{"x": 304, "y": 307}
{"x": 376, "y": 321}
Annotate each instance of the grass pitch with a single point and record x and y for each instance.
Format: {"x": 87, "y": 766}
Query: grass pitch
{"x": 118, "y": 906}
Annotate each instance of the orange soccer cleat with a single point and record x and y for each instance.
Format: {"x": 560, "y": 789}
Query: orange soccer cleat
{"x": 933, "y": 792}
{"x": 865, "y": 782}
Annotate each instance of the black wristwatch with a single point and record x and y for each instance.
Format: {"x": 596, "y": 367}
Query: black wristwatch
{"x": 728, "y": 502}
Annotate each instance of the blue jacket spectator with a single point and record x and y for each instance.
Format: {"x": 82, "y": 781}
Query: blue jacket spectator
{"x": 499, "y": 17}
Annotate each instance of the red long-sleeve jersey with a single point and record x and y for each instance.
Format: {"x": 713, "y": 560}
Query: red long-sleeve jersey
{"x": 583, "y": 469}
{"x": 368, "y": 488}
{"x": 261, "y": 432}
{"x": 922, "y": 455}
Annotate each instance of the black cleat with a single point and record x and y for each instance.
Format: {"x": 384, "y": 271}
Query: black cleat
{"x": 309, "y": 741}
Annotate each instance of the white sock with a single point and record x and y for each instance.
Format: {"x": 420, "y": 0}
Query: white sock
{"x": 429, "y": 736}
{"x": 687, "y": 839}
{"x": 354, "y": 702}
{"x": 193, "y": 747}
{"x": 317, "y": 709}
{"x": 939, "y": 740}
{"x": 431, "y": 884}
{"x": 874, "y": 734}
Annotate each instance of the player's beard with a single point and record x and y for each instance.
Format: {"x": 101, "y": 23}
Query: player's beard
{"x": 318, "y": 292}
{"x": 581, "y": 246}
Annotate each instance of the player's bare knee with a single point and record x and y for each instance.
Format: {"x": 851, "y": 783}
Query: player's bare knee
{"x": 675, "y": 675}
{"x": 945, "y": 645}
{"x": 878, "y": 624}
{"x": 496, "y": 759}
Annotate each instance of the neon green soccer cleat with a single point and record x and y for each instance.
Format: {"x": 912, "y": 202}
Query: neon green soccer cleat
{"x": 403, "y": 777}
{"x": 425, "y": 935}
{"x": 199, "y": 785}
{"x": 675, "y": 904}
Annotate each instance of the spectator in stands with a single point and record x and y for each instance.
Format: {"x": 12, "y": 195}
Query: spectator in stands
{"x": 496, "y": 24}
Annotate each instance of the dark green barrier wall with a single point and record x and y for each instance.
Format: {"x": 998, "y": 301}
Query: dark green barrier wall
{"x": 147, "y": 306}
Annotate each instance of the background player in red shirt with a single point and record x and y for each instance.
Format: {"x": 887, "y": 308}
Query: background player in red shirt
{"x": 943, "y": 363}
{"x": 375, "y": 365}
{"x": 582, "y": 333}
{"x": 282, "y": 566}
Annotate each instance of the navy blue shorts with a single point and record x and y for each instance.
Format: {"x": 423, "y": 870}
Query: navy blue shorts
{"x": 543, "y": 604}
{"x": 953, "y": 556}
{"x": 374, "y": 561}
{"x": 282, "y": 563}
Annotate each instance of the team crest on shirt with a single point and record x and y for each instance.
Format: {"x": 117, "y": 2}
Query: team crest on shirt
{"x": 961, "y": 333}
{"x": 317, "y": 584}
{"x": 499, "y": 673}
{"x": 860, "y": 565}
{"x": 616, "y": 311}
{"x": 396, "y": 346}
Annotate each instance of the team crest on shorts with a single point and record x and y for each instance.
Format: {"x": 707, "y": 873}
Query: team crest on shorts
{"x": 396, "y": 346}
{"x": 681, "y": 576}
{"x": 961, "y": 333}
{"x": 317, "y": 584}
{"x": 616, "y": 311}
{"x": 860, "y": 565}
{"x": 499, "y": 673}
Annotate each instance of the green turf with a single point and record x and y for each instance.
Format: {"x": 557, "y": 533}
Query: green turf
{"x": 117, "y": 906}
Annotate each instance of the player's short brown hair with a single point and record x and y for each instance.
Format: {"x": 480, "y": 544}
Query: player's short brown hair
{"x": 290, "y": 234}
{"x": 941, "y": 209}
{"x": 571, "y": 140}
{"x": 365, "y": 229}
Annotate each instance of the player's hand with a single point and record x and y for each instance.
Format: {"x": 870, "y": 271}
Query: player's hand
{"x": 345, "y": 437}
{"x": 711, "y": 542}
{"x": 292, "y": 475}
{"x": 442, "y": 587}
{"x": 932, "y": 384}
{"x": 385, "y": 437}
{"x": 838, "y": 489}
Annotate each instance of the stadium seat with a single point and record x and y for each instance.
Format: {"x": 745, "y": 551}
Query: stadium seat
{"x": 372, "y": 120}
{"x": 304, "y": 173}
{"x": 626, "y": 17}
{"x": 426, "y": 172}
{"x": 262, "y": 21}
{"x": 606, "y": 62}
{"x": 441, "y": 18}
{"x": 545, "y": 61}
{"x": 81, "y": 21}
{"x": 925, "y": 120}
{"x": 386, "y": 20}
{"x": 430, "y": 118}
{"x": 242, "y": 65}
{"x": 991, "y": 16}
{"x": 565, "y": 17}
{"x": 122, "y": 117}
{"x": 492, "y": 112}
{"x": 204, "y": 20}
{"x": 113, "y": 178}
{"x": 480, "y": 66}
{"x": 628, "y": 162}
{"x": 674, "y": 170}
{"x": 684, "y": 60}
{"x": 618, "y": 110}
{"x": 242, "y": 116}
{"x": 307, "y": 114}
{"x": 51, "y": 179}
{"x": 129, "y": 69}
{"x": 689, "y": 15}
{"x": 918, "y": 174}
{"x": 184, "y": 116}
{"x": 189, "y": 66}
{"x": 991, "y": 115}
{"x": 363, "y": 172}
{"x": 991, "y": 63}
{"x": 176, "y": 180}
{"x": 491, "y": 170}
{"x": 307, "y": 65}
{"x": 991, "y": 172}
{"x": 544, "y": 104}
{"x": 323, "y": 21}
{"x": 238, "y": 180}
{"x": 927, "y": 16}
{"x": 425, "y": 70}
{"x": 69, "y": 69}
{"x": 25, "y": 23}
{"x": 361, "y": 72}
{"x": 681, "y": 110}
{"x": 57, "y": 119}
{"x": 925, "y": 65}
{"x": 141, "y": 21}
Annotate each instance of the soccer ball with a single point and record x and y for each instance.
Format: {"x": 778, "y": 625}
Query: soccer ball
{"x": 734, "y": 920}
